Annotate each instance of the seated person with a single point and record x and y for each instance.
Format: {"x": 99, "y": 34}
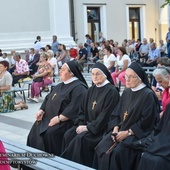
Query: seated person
{"x": 7, "y": 102}
{"x": 42, "y": 78}
{"x": 162, "y": 48}
{"x": 21, "y": 71}
{"x": 5, "y": 57}
{"x": 153, "y": 56}
{"x": 80, "y": 141}
{"x": 162, "y": 76}
{"x": 13, "y": 62}
{"x": 82, "y": 57}
{"x": 58, "y": 111}
{"x": 134, "y": 118}
{"x": 34, "y": 59}
{"x": 63, "y": 57}
{"x": 109, "y": 59}
{"x": 123, "y": 61}
{"x": 94, "y": 53}
{"x": 73, "y": 52}
{"x": 158, "y": 89}
{"x": 143, "y": 51}
{"x": 156, "y": 153}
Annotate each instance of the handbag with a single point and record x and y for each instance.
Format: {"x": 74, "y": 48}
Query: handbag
{"x": 140, "y": 144}
{"x": 38, "y": 79}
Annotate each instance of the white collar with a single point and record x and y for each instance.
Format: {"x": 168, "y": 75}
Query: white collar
{"x": 141, "y": 86}
{"x": 70, "y": 80}
{"x": 103, "y": 84}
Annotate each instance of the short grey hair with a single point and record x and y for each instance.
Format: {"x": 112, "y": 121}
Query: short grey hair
{"x": 164, "y": 72}
{"x": 17, "y": 54}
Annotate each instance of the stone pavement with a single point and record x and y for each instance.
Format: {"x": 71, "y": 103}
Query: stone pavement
{"x": 16, "y": 125}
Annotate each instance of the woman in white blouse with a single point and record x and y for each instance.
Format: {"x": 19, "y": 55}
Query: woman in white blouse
{"x": 109, "y": 58}
{"x": 123, "y": 61}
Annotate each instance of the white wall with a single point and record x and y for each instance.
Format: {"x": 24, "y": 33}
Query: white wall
{"x": 114, "y": 18}
{"x": 21, "y": 21}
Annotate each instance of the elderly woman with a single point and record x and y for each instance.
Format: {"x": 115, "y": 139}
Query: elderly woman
{"x": 123, "y": 61}
{"x": 58, "y": 111}
{"x": 133, "y": 118}
{"x": 157, "y": 88}
{"x": 162, "y": 76}
{"x": 7, "y": 102}
{"x": 52, "y": 61}
{"x": 157, "y": 153}
{"x": 95, "y": 112}
{"x": 43, "y": 77}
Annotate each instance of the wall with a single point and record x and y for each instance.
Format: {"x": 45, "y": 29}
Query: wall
{"x": 116, "y": 20}
{"x": 21, "y": 21}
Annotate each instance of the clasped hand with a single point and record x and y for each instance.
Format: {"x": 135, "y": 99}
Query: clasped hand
{"x": 39, "y": 115}
{"x": 120, "y": 136}
{"x": 53, "y": 121}
{"x": 81, "y": 128}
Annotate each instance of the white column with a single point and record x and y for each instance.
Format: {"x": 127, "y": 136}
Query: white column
{"x": 60, "y": 21}
{"x": 45, "y": 18}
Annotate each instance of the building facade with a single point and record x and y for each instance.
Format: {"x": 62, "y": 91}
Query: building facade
{"x": 21, "y": 21}
{"x": 118, "y": 20}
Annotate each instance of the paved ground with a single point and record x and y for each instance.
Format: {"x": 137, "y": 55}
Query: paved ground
{"x": 16, "y": 125}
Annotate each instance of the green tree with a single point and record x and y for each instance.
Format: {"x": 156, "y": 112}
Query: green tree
{"x": 166, "y": 3}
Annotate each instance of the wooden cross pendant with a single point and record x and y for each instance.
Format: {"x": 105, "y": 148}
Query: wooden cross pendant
{"x": 94, "y": 103}
{"x": 125, "y": 115}
{"x": 54, "y": 95}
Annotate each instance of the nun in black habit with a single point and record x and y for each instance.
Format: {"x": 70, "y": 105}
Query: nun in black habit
{"x": 79, "y": 141}
{"x": 134, "y": 118}
{"x": 157, "y": 153}
{"x": 156, "y": 146}
{"x": 58, "y": 111}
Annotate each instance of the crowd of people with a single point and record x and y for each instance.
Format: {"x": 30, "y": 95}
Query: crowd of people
{"x": 95, "y": 126}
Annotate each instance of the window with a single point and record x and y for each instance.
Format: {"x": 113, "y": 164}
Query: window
{"x": 134, "y": 23}
{"x": 93, "y": 18}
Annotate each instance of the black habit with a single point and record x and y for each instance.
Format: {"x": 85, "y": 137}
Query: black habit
{"x": 65, "y": 99}
{"x": 95, "y": 113}
{"x": 138, "y": 111}
{"x": 157, "y": 155}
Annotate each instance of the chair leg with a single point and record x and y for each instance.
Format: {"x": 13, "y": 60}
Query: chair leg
{"x": 24, "y": 96}
{"x": 29, "y": 85}
{"x": 19, "y": 84}
{"x": 119, "y": 85}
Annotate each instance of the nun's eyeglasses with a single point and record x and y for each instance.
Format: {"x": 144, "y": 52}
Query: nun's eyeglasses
{"x": 130, "y": 77}
{"x": 97, "y": 74}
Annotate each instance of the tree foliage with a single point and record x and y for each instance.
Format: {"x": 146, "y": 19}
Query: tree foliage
{"x": 166, "y": 3}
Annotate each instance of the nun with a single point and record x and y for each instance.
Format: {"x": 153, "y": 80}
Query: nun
{"x": 58, "y": 110}
{"x": 79, "y": 141}
{"x": 157, "y": 152}
{"x": 134, "y": 118}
